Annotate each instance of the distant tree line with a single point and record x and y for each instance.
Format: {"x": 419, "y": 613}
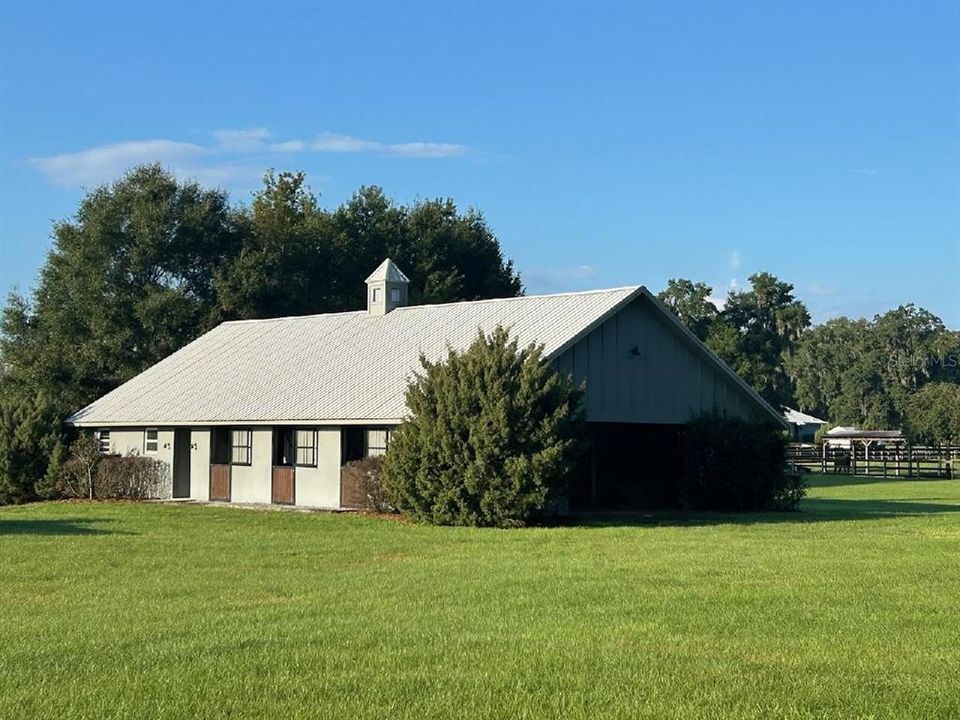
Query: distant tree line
{"x": 149, "y": 263}
{"x": 901, "y": 369}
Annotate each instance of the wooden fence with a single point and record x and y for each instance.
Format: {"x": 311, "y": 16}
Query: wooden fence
{"x": 895, "y": 461}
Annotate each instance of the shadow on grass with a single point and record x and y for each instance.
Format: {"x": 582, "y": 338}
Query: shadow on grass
{"x": 811, "y": 510}
{"x": 63, "y": 526}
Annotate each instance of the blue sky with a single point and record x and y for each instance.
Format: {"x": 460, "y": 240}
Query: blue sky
{"x": 607, "y": 144}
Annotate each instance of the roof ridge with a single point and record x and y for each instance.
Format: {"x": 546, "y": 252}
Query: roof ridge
{"x": 521, "y": 297}
{"x": 437, "y": 305}
{"x": 293, "y": 317}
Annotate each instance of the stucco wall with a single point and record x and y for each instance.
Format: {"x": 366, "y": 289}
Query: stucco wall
{"x": 130, "y": 441}
{"x": 639, "y": 368}
{"x": 251, "y": 483}
{"x": 315, "y": 486}
{"x": 320, "y": 486}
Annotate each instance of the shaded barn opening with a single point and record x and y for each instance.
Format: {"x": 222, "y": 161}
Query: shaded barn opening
{"x": 630, "y": 466}
{"x": 353, "y": 446}
{"x": 283, "y": 480}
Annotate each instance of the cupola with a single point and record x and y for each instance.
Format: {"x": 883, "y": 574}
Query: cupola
{"x": 387, "y": 288}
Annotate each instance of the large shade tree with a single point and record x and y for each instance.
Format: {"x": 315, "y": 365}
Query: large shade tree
{"x": 128, "y": 280}
{"x": 691, "y": 302}
{"x": 757, "y": 333}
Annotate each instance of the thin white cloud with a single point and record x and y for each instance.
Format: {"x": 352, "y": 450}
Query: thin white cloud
{"x": 427, "y": 150}
{"x": 335, "y": 143}
{"x": 734, "y": 260}
{"x": 106, "y": 162}
{"x": 249, "y": 140}
{"x": 218, "y": 158}
{"x": 289, "y": 146}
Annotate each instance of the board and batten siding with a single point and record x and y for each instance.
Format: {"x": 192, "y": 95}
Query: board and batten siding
{"x": 639, "y": 368}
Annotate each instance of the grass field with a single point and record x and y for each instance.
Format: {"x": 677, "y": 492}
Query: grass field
{"x": 850, "y": 608}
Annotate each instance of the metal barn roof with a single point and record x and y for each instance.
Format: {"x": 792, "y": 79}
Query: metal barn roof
{"x": 796, "y": 417}
{"x": 349, "y": 366}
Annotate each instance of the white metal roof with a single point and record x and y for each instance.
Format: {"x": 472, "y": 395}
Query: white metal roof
{"x": 334, "y": 367}
{"x": 799, "y": 418}
{"x": 841, "y": 430}
{"x": 388, "y": 270}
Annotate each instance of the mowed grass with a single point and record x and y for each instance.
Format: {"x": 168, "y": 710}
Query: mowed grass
{"x": 850, "y": 608}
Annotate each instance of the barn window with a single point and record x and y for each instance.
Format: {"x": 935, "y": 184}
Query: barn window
{"x": 378, "y": 439}
{"x": 306, "y": 447}
{"x": 241, "y": 447}
{"x": 375, "y": 294}
{"x": 151, "y": 441}
{"x": 103, "y": 441}
{"x": 394, "y": 295}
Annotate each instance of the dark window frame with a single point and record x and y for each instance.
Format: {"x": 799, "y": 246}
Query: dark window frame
{"x": 297, "y": 447}
{"x": 103, "y": 435}
{"x": 248, "y": 446}
{"x": 368, "y": 448}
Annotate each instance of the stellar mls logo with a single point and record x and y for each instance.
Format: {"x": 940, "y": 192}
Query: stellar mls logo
{"x": 930, "y": 362}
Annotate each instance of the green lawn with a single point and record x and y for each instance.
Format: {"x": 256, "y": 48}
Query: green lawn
{"x": 850, "y": 608}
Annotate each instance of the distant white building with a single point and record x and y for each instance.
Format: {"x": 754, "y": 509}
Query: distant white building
{"x": 846, "y": 437}
{"x": 838, "y": 437}
{"x": 803, "y": 427}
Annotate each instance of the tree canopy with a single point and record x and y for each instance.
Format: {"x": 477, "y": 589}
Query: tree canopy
{"x": 853, "y": 372}
{"x": 933, "y": 414}
{"x": 864, "y": 373}
{"x": 690, "y": 301}
{"x": 755, "y": 332}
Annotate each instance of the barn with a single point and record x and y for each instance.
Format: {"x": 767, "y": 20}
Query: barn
{"x": 269, "y": 411}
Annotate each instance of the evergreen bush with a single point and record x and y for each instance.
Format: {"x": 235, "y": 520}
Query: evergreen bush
{"x": 493, "y": 437}
{"x": 733, "y": 465}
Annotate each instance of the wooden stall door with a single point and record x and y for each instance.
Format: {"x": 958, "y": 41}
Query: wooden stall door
{"x": 284, "y": 478}
{"x": 220, "y": 482}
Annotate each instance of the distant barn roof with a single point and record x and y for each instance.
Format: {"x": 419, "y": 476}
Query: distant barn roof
{"x": 855, "y": 434}
{"x": 796, "y": 417}
{"x": 334, "y": 367}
